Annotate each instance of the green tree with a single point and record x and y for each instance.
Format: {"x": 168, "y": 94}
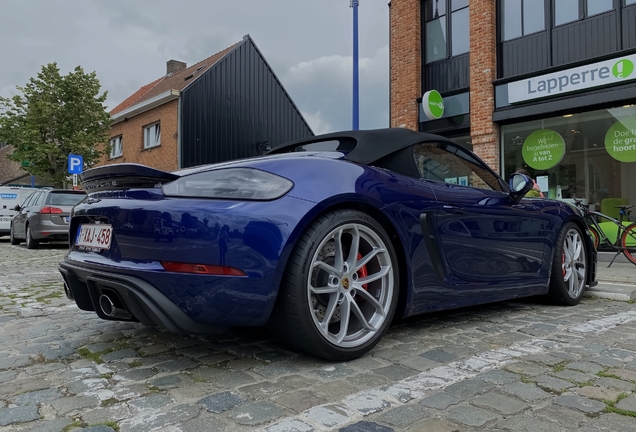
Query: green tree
{"x": 52, "y": 116}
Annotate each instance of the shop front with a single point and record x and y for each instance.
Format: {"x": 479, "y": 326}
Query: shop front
{"x": 574, "y": 132}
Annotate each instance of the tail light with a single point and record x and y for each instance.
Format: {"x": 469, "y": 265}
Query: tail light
{"x": 51, "y": 210}
{"x": 201, "y": 269}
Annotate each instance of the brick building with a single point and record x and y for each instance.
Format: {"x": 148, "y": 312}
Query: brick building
{"x": 544, "y": 85}
{"x": 227, "y": 106}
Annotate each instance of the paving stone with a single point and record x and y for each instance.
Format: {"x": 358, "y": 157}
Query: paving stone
{"x": 563, "y": 416}
{"x": 365, "y": 426}
{"x": 614, "y": 423}
{"x": 140, "y": 374}
{"x": 329, "y": 416}
{"x": 335, "y": 390}
{"x": 586, "y": 367}
{"x": 439, "y": 356}
{"x": 100, "y": 347}
{"x": 107, "y": 414}
{"x": 613, "y": 383}
{"x": 335, "y": 371}
{"x": 120, "y": 354}
{"x": 498, "y": 377}
{"x": 468, "y": 388}
{"x": 170, "y": 381}
{"x": 271, "y": 356}
{"x": 296, "y": 381}
{"x": 55, "y": 425}
{"x": 40, "y": 369}
{"x": 152, "y": 420}
{"x": 290, "y": 425}
{"x": 471, "y": 416}
{"x": 574, "y": 376}
{"x": 179, "y": 365}
{"x": 525, "y": 392}
{"x": 598, "y": 393}
{"x": 627, "y": 404}
{"x": 604, "y": 361}
{"x": 624, "y": 374}
{"x": 395, "y": 372}
{"x": 68, "y": 404}
{"x": 579, "y": 403}
{"x": 262, "y": 390}
{"x": 403, "y": 416}
{"x": 206, "y": 423}
{"x": 539, "y": 329}
{"x": 256, "y": 413}
{"x": 23, "y": 386}
{"x": 15, "y": 362}
{"x": 418, "y": 363}
{"x": 153, "y": 349}
{"x": 152, "y": 401}
{"x": 553, "y": 383}
{"x": 33, "y": 398}
{"x": 99, "y": 428}
{"x": 631, "y": 366}
{"x": 367, "y": 402}
{"x": 544, "y": 359}
{"x": 565, "y": 355}
{"x": 18, "y": 414}
{"x": 300, "y": 400}
{"x": 506, "y": 405}
{"x": 220, "y": 402}
{"x": 620, "y": 354}
{"x": 8, "y": 375}
{"x": 525, "y": 368}
{"x": 275, "y": 370}
{"x": 528, "y": 423}
{"x": 433, "y": 425}
{"x": 440, "y": 401}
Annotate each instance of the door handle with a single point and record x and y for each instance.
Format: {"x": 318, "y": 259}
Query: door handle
{"x": 453, "y": 209}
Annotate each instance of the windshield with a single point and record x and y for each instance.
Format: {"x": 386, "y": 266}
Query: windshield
{"x": 64, "y": 198}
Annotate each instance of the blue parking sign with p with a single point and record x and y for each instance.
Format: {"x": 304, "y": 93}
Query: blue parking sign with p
{"x": 75, "y": 164}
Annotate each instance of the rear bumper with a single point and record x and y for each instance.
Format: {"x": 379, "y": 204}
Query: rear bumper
{"x": 47, "y": 230}
{"x": 140, "y": 300}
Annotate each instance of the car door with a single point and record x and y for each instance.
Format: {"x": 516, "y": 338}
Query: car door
{"x": 489, "y": 245}
{"x": 19, "y": 220}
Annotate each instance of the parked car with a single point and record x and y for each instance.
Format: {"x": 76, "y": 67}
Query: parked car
{"x": 324, "y": 240}
{"x": 44, "y": 216}
{"x": 10, "y": 196}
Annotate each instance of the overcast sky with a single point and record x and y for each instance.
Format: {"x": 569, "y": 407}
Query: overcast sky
{"x": 308, "y": 43}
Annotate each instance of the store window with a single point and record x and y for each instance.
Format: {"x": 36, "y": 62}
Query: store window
{"x": 565, "y": 11}
{"x": 595, "y": 7}
{"x": 447, "y": 28}
{"x": 589, "y": 156}
{"x": 630, "y": 2}
{"x": 522, "y": 18}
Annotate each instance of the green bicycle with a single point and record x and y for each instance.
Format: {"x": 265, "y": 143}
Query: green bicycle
{"x": 625, "y": 242}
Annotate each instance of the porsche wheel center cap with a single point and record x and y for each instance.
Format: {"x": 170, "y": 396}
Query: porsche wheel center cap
{"x": 345, "y": 283}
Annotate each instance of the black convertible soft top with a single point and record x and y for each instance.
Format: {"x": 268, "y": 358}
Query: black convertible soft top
{"x": 368, "y": 146}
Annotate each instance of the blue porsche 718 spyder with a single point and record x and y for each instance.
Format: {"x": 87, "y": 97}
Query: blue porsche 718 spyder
{"x": 324, "y": 240}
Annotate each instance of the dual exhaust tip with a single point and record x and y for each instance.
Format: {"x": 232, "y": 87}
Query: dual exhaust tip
{"x": 108, "y": 307}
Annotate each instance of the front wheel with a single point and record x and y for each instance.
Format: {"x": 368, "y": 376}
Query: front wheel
{"x": 628, "y": 242}
{"x": 339, "y": 292}
{"x": 569, "y": 268}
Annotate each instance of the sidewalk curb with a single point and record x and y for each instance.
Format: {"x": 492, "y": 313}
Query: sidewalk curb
{"x": 612, "y": 291}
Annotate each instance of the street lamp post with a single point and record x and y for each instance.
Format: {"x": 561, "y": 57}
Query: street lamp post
{"x": 356, "y": 83}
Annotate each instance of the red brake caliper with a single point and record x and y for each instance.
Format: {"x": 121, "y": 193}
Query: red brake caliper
{"x": 363, "y": 272}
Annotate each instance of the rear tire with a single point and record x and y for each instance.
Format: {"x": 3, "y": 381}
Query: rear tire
{"x": 336, "y": 303}
{"x": 14, "y": 241}
{"x": 628, "y": 241}
{"x": 31, "y": 243}
{"x": 569, "y": 267}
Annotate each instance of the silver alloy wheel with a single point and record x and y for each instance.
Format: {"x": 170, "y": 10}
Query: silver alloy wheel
{"x": 350, "y": 297}
{"x": 573, "y": 258}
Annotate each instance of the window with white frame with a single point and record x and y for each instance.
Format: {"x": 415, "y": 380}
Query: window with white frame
{"x": 152, "y": 135}
{"x": 116, "y": 148}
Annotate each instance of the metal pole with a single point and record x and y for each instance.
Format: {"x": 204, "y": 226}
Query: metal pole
{"x": 356, "y": 81}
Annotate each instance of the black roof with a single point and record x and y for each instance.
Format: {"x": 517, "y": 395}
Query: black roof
{"x": 369, "y": 145}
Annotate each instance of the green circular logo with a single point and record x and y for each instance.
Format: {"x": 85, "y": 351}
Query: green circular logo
{"x": 543, "y": 149}
{"x": 623, "y": 68}
{"x": 620, "y": 140}
{"x": 433, "y": 104}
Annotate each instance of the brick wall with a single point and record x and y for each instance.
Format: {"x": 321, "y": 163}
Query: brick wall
{"x": 483, "y": 68}
{"x": 406, "y": 62}
{"x": 163, "y": 157}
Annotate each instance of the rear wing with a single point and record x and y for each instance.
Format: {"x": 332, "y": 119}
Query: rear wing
{"x": 123, "y": 176}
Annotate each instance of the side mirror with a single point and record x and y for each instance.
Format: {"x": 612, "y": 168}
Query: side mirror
{"x": 17, "y": 208}
{"x": 520, "y": 185}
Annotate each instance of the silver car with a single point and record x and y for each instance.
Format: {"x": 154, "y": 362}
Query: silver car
{"x": 44, "y": 216}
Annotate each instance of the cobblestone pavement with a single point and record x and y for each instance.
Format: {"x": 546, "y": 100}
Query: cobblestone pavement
{"x": 515, "y": 366}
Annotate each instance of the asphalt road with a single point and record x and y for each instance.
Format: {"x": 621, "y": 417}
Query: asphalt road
{"x": 514, "y": 366}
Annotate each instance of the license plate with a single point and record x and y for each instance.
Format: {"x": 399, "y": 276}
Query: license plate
{"x": 96, "y": 236}
{"x": 5, "y": 219}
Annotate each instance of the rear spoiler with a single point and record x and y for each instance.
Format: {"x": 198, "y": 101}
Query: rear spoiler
{"x": 123, "y": 176}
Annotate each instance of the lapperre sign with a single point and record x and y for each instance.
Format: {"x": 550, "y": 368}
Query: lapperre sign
{"x": 580, "y": 78}
{"x": 433, "y": 104}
